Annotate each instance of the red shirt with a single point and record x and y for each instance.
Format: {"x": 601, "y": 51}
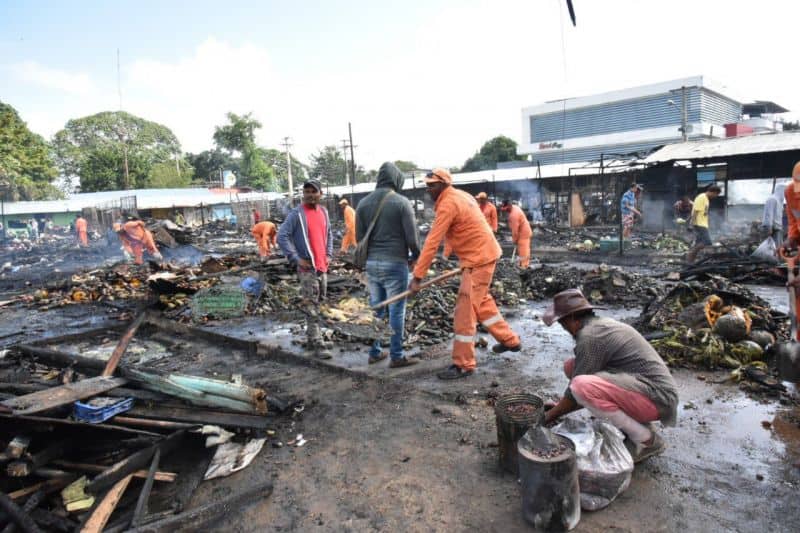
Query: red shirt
{"x": 317, "y": 236}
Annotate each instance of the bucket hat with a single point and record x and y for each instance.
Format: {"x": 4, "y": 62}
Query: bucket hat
{"x": 564, "y": 304}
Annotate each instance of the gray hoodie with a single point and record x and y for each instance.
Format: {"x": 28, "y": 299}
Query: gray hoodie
{"x": 773, "y": 210}
{"x": 395, "y": 236}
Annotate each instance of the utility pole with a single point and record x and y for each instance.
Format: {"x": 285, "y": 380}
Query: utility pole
{"x": 287, "y": 145}
{"x": 352, "y": 157}
{"x": 684, "y": 114}
{"x": 344, "y": 152}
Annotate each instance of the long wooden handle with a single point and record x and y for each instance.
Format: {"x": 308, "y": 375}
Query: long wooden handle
{"x": 404, "y": 294}
{"x": 122, "y": 345}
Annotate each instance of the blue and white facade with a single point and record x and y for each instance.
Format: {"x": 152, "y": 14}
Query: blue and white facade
{"x": 625, "y": 121}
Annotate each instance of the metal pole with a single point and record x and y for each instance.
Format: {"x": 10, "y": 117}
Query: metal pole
{"x": 603, "y": 212}
{"x": 352, "y": 157}
{"x": 344, "y": 152}
{"x": 289, "y": 184}
{"x": 3, "y": 211}
{"x": 619, "y": 214}
{"x": 684, "y": 114}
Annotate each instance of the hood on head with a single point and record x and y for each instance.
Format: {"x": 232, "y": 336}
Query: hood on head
{"x": 390, "y": 176}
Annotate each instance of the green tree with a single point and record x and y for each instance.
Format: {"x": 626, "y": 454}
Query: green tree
{"x": 276, "y": 160}
{"x": 238, "y": 136}
{"x": 167, "y": 175}
{"x": 26, "y": 167}
{"x": 112, "y": 150}
{"x": 405, "y": 166}
{"x": 498, "y": 150}
{"x": 208, "y": 164}
{"x": 328, "y": 166}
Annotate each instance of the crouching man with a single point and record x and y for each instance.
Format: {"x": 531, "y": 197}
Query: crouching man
{"x": 615, "y": 374}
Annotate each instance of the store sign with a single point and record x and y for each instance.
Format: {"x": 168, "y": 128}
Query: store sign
{"x": 550, "y": 145}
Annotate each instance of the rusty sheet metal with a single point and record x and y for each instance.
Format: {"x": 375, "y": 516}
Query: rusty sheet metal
{"x": 43, "y": 400}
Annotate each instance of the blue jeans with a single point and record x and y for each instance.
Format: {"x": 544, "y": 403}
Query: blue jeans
{"x": 386, "y": 279}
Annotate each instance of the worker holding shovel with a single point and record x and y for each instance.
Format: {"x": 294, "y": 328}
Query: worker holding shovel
{"x": 460, "y": 221}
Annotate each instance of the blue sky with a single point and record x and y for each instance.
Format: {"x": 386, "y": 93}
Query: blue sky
{"x": 427, "y": 81}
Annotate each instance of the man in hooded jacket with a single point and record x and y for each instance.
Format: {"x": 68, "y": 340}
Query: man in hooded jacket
{"x": 772, "y": 220}
{"x": 393, "y": 249}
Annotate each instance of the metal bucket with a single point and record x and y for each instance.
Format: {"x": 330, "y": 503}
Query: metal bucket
{"x": 511, "y": 427}
{"x": 551, "y": 498}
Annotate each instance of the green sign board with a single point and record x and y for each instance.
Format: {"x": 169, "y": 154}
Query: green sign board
{"x": 219, "y": 301}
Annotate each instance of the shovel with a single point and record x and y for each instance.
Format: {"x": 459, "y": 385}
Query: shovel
{"x": 404, "y": 294}
{"x": 788, "y": 353}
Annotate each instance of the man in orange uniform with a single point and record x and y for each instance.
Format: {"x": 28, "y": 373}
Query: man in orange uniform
{"x": 81, "y": 230}
{"x": 792, "y": 197}
{"x": 488, "y": 209}
{"x": 266, "y": 235}
{"x": 136, "y": 239}
{"x": 459, "y": 220}
{"x": 349, "y": 214}
{"x": 521, "y": 232}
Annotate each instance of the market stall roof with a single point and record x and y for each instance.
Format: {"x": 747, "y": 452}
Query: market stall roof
{"x": 145, "y": 199}
{"x": 714, "y": 148}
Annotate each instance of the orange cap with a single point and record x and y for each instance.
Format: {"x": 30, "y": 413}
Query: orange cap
{"x": 481, "y": 196}
{"x": 796, "y": 170}
{"x": 439, "y": 175}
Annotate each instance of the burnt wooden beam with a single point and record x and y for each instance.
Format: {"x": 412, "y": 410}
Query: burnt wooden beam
{"x": 32, "y": 503}
{"x": 141, "y": 504}
{"x": 202, "y": 416}
{"x": 133, "y": 463}
{"x": 53, "y": 397}
{"x": 25, "y": 467}
{"x": 84, "y": 467}
{"x": 17, "y": 515}
{"x": 45, "y": 423}
{"x": 197, "y": 518}
{"x": 51, "y": 485}
{"x": 122, "y": 345}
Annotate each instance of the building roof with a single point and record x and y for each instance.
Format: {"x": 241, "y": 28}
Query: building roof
{"x": 715, "y": 148}
{"x": 145, "y": 199}
{"x": 759, "y": 107}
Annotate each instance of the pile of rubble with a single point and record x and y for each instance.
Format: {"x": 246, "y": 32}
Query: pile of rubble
{"x": 711, "y": 324}
{"x": 601, "y": 285}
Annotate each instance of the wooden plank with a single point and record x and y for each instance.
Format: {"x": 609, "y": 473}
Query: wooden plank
{"x": 102, "y": 512}
{"x": 202, "y": 416}
{"x": 39, "y": 424}
{"x": 141, "y": 504}
{"x": 198, "y": 518}
{"x": 168, "y": 477}
{"x": 51, "y": 485}
{"x": 122, "y": 345}
{"x": 37, "y": 402}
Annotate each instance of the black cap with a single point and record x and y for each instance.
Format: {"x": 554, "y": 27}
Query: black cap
{"x": 313, "y": 183}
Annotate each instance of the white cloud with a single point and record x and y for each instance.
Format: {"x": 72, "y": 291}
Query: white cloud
{"x": 53, "y": 78}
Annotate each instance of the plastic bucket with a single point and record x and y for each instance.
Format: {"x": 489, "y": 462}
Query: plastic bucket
{"x": 512, "y": 426}
{"x": 551, "y": 498}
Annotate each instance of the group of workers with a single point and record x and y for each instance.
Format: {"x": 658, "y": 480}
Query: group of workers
{"x": 615, "y": 373}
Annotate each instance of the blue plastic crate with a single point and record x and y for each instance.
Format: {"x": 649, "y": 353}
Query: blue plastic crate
{"x": 103, "y": 409}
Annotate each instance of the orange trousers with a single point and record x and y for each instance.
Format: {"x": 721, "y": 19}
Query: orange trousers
{"x": 474, "y": 303}
{"x": 83, "y": 238}
{"x": 264, "y": 248}
{"x": 524, "y": 252}
{"x": 349, "y": 240}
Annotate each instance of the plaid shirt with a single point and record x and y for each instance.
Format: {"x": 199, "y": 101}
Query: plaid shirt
{"x": 618, "y": 353}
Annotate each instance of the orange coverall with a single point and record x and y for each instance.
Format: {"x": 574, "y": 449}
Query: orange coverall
{"x": 521, "y": 234}
{"x": 349, "y": 238}
{"x": 490, "y": 212}
{"x": 461, "y": 223}
{"x": 136, "y": 239}
{"x": 82, "y": 232}
{"x": 266, "y": 235}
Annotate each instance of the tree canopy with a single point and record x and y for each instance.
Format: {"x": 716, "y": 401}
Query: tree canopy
{"x": 328, "y": 166}
{"x": 238, "y": 136}
{"x": 276, "y": 160}
{"x": 208, "y": 165}
{"x": 498, "y": 150}
{"x": 26, "y": 166}
{"x": 98, "y": 150}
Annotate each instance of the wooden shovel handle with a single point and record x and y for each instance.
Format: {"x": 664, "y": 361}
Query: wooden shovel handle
{"x": 122, "y": 345}
{"x": 404, "y": 294}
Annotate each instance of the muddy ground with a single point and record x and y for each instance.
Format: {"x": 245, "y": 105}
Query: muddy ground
{"x": 399, "y": 450}
{"x": 393, "y": 450}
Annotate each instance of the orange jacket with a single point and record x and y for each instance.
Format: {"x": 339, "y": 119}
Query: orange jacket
{"x": 137, "y": 235}
{"x": 490, "y": 212}
{"x": 460, "y": 221}
{"x": 518, "y": 222}
{"x": 80, "y": 225}
{"x": 792, "y": 211}
{"x": 265, "y": 230}
{"x": 350, "y": 220}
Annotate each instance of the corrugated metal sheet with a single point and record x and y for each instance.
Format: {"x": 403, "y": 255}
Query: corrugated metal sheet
{"x": 145, "y": 199}
{"x": 592, "y": 153}
{"x": 707, "y": 149}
